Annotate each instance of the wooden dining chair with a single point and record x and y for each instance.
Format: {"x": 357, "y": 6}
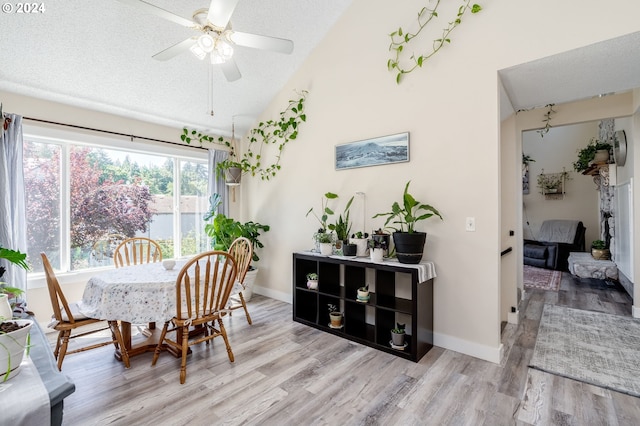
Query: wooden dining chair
{"x": 70, "y": 323}
{"x": 102, "y": 250}
{"x": 203, "y": 288}
{"x": 242, "y": 251}
{"x": 137, "y": 250}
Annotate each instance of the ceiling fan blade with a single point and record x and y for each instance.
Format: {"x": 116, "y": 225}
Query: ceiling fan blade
{"x": 230, "y": 70}
{"x": 175, "y": 50}
{"x": 220, "y": 12}
{"x": 256, "y": 41}
{"x": 155, "y": 10}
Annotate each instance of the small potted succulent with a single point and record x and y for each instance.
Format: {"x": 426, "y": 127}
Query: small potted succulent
{"x": 312, "y": 281}
{"x": 325, "y": 240}
{"x": 363, "y": 294}
{"x": 398, "y": 335}
{"x": 335, "y": 316}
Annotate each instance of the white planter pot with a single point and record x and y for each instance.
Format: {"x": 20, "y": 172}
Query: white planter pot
{"x": 249, "y": 281}
{"x": 326, "y": 249}
{"x": 312, "y": 284}
{"x": 361, "y": 243}
{"x": 12, "y": 346}
{"x": 601, "y": 156}
{"x": 5, "y": 307}
{"x": 377, "y": 254}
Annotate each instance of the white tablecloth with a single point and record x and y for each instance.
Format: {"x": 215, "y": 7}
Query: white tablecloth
{"x": 137, "y": 294}
{"x": 25, "y": 400}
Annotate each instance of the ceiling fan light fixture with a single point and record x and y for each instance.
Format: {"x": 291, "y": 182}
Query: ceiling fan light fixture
{"x": 224, "y": 49}
{"x": 198, "y": 52}
{"x": 206, "y": 43}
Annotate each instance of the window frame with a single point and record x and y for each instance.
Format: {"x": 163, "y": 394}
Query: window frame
{"x": 65, "y": 138}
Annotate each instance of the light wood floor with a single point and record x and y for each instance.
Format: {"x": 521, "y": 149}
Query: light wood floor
{"x": 288, "y": 374}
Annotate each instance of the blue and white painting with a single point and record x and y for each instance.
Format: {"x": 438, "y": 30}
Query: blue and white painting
{"x": 373, "y": 152}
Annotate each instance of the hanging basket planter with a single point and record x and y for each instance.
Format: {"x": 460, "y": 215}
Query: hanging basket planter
{"x": 233, "y": 176}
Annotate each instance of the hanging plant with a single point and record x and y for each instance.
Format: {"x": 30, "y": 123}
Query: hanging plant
{"x": 400, "y": 39}
{"x": 547, "y": 120}
{"x": 272, "y": 132}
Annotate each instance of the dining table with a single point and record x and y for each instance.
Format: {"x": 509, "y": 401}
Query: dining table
{"x": 137, "y": 294}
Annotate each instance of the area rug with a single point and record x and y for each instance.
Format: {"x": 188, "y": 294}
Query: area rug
{"x": 591, "y": 347}
{"x": 541, "y": 279}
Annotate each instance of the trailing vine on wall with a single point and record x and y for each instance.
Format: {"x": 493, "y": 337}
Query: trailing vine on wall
{"x": 547, "y": 120}
{"x": 400, "y": 39}
{"x": 278, "y": 132}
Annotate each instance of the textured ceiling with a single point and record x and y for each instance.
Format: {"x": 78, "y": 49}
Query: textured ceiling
{"x": 98, "y": 55}
{"x": 611, "y": 66}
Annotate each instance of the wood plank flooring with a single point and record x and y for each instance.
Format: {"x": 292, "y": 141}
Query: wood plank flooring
{"x": 288, "y": 374}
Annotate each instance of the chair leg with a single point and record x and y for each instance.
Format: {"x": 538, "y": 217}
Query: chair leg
{"x": 156, "y": 353}
{"x": 58, "y": 340}
{"x": 119, "y": 341}
{"x": 63, "y": 347}
{"x": 226, "y": 340}
{"x": 244, "y": 306}
{"x": 185, "y": 349}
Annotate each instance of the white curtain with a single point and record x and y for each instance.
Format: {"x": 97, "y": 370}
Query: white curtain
{"x": 216, "y": 183}
{"x": 13, "y": 228}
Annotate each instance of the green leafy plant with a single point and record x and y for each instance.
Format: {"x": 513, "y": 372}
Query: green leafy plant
{"x": 552, "y": 181}
{"x": 401, "y": 39}
{"x": 360, "y": 235}
{"x": 599, "y": 245}
{"x": 526, "y": 159}
{"x": 324, "y": 237}
{"x": 407, "y": 216}
{"x": 588, "y": 153}
{"x": 342, "y": 227}
{"x": 224, "y": 230}
{"x": 547, "y": 120}
{"x": 17, "y": 258}
{"x": 278, "y": 132}
{"x": 399, "y": 328}
{"x": 312, "y": 276}
{"x": 325, "y": 211}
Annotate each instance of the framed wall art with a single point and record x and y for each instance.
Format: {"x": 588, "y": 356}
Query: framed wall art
{"x": 373, "y": 152}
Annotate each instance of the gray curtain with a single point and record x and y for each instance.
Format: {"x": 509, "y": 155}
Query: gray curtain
{"x": 13, "y": 228}
{"x": 217, "y": 183}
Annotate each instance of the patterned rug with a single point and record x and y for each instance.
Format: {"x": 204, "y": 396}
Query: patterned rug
{"x": 591, "y": 347}
{"x": 541, "y": 279}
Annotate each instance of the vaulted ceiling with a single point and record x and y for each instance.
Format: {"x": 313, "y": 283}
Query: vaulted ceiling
{"x": 98, "y": 55}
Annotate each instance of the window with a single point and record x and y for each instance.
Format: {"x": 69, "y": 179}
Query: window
{"x": 85, "y": 194}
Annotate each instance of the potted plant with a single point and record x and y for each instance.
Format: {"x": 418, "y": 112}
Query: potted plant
{"x": 599, "y": 250}
{"x": 409, "y": 243}
{"x": 380, "y": 235}
{"x": 312, "y": 281}
{"x": 360, "y": 240}
{"x": 596, "y": 151}
{"x": 14, "y": 334}
{"x": 324, "y": 216}
{"x": 325, "y": 240}
{"x": 224, "y": 230}
{"x": 397, "y": 336}
{"x": 377, "y": 249}
{"x": 335, "y": 316}
{"x": 363, "y": 294}
{"x": 342, "y": 227}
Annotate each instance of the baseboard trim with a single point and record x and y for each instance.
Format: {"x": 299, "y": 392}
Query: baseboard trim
{"x": 476, "y": 350}
{"x": 274, "y": 294}
{"x": 635, "y": 311}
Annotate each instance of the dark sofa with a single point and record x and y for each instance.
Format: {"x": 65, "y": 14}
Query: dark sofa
{"x": 557, "y": 238}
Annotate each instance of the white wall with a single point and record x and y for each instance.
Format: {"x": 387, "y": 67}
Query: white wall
{"x": 553, "y": 152}
{"x": 450, "y": 107}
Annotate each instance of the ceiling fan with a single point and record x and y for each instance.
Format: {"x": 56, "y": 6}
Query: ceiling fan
{"x": 217, "y": 38}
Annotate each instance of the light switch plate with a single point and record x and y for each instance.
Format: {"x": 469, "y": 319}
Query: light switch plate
{"x": 470, "y": 224}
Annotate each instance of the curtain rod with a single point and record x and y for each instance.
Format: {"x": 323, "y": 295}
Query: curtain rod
{"x": 110, "y": 132}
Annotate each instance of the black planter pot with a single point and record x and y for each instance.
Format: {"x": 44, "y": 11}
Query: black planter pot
{"x": 409, "y": 246}
{"x": 349, "y": 249}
